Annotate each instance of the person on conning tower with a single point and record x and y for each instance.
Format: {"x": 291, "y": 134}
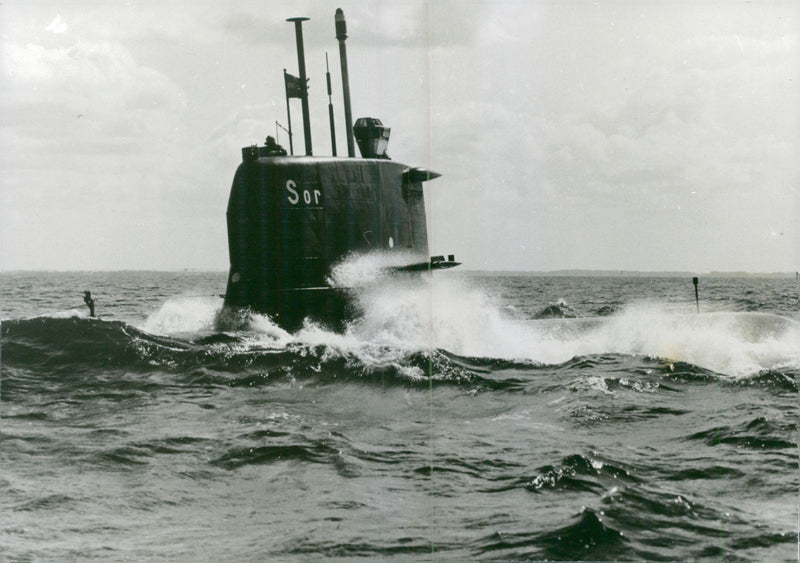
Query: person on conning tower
{"x": 273, "y": 148}
{"x": 87, "y": 298}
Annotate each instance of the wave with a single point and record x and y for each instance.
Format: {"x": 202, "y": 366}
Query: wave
{"x": 66, "y": 342}
{"x": 411, "y": 324}
{"x": 559, "y": 310}
{"x": 626, "y": 498}
{"x": 434, "y": 313}
{"x": 439, "y": 312}
{"x": 587, "y": 537}
{"x": 188, "y": 316}
{"x": 405, "y": 315}
{"x": 74, "y": 346}
{"x": 758, "y": 434}
{"x": 258, "y": 455}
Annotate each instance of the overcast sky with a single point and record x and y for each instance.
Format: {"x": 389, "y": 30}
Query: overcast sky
{"x": 607, "y": 135}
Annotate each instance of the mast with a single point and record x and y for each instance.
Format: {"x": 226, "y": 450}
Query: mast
{"x": 330, "y": 105}
{"x": 341, "y": 35}
{"x": 301, "y": 62}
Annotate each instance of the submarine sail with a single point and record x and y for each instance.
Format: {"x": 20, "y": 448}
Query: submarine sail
{"x": 291, "y": 219}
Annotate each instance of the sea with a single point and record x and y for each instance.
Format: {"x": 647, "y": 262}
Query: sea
{"x": 461, "y": 416}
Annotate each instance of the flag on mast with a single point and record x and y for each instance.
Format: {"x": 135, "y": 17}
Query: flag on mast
{"x": 294, "y": 86}
{"x": 294, "y": 89}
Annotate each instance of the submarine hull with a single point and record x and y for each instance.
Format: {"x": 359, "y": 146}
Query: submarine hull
{"x": 292, "y": 219}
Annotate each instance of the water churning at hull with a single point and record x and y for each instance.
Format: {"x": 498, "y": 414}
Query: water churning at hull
{"x": 399, "y": 315}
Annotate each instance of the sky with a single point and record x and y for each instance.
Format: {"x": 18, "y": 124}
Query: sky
{"x": 615, "y": 135}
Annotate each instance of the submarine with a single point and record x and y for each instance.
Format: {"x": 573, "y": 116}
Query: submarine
{"x": 291, "y": 218}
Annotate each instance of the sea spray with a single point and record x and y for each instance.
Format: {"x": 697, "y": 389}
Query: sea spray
{"x": 367, "y": 269}
{"x": 402, "y": 315}
{"x": 184, "y": 315}
{"x": 436, "y": 312}
{"x": 735, "y": 344}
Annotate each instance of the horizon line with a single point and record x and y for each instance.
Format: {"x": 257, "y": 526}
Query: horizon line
{"x": 559, "y": 271}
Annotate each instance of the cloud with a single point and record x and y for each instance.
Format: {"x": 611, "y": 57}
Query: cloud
{"x": 57, "y": 26}
{"x": 87, "y": 130}
{"x": 98, "y": 82}
{"x": 650, "y": 142}
{"x": 254, "y": 28}
{"x": 589, "y": 133}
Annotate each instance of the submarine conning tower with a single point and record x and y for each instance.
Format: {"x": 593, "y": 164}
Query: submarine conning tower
{"x": 291, "y": 219}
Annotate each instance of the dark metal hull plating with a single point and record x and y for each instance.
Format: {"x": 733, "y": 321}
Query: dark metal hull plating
{"x": 292, "y": 219}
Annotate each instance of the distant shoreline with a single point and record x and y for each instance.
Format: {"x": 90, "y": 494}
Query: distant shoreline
{"x": 633, "y": 274}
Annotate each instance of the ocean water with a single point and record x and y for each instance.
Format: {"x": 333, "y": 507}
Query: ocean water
{"x": 462, "y": 417}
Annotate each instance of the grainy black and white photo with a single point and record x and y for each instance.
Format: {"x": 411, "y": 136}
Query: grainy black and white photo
{"x": 416, "y": 280}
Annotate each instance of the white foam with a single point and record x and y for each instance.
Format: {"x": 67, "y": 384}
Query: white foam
{"x": 65, "y": 314}
{"x": 265, "y": 332}
{"x": 360, "y": 270}
{"x": 731, "y": 343}
{"x": 405, "y": 314}
{"x": 183, "y": 315}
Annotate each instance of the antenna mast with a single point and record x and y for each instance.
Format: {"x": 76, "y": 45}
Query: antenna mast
{"x": 330, "y": 105}
{"x": 341, "y": 35}
{"x": 301, "y": 62}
